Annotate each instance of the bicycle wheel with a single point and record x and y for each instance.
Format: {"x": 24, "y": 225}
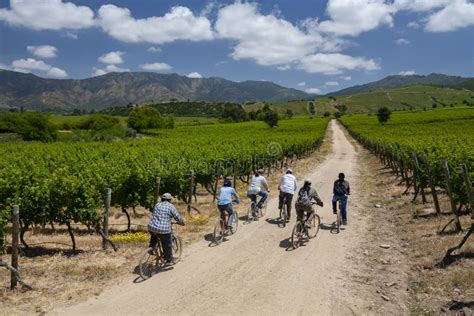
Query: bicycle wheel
{"x": 297, "y": 235}
{"x": 149, "y": 262}
{"x": 249, "y": 213}
{"x": 283, "y": 215}
{"x": 263, "y": 210}
{"x": 177, "y": 246}
{"x": 218, "y": 231}
{"x": 235, "y": 223}
{"x": 313, "y": 225}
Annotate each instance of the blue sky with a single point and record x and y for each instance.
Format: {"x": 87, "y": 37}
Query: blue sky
{"x": 317, "y": 46}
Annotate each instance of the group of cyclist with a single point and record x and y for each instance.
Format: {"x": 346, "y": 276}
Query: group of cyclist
{"x": 164, "y": 211}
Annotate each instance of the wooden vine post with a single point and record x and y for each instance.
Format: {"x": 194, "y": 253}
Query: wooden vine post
{"x": 108, "y": 197}
{"x": 15, "y": 242}
{"x": 432, "y": 186}
{"x": 216, "y": 183}
{"x": 468, "y": 183}
{"x": 156, "y": 196}
{"x": 418, "y": 174}
{"x": 470, "y": 197}
{"x": 449, "y": 189}
{"x": 191, "y": 190}
{"x": 235, "y": 171}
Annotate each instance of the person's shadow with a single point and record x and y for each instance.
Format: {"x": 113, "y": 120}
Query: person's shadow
{"x": 158, "y": 270}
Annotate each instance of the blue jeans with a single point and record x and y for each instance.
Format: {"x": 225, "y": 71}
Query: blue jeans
{"x": 227, "y": 208}
{"x": 263, "y": 195}
{"x": 343, "y": 199}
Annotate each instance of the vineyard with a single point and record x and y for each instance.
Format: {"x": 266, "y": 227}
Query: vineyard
{"x": 428, "y": 150}
{"x": 65, "y": 183}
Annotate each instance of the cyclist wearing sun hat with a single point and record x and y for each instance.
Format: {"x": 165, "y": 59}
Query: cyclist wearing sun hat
{"x": 258, "y": 186}
{"x": 160, "y": 225}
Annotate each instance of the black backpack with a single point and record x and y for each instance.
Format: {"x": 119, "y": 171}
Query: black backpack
{"x": 303, "y": 197}
{"x": 340, "y": 188}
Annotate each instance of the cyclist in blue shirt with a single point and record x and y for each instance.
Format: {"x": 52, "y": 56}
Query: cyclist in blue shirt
{"x": 224, "y": 202}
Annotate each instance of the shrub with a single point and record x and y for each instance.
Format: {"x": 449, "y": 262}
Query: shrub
{"x": 271, "y": 118}
{"x": 144, "y": 118}
{"x": 383, "y": 114}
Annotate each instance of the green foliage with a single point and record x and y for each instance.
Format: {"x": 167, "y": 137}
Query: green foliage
{"x": 236, "y": 114}
{"x": 271, "y": 118}
{"x": 63, "y": 182}
{"x": 312, "y": 108}
{"x": 147, "y": 117}
{"x": 383, "y": 114}
{"x": 445, "y": 134}
{"x": 289, "y": 113}
{"x": 30, "y": 125}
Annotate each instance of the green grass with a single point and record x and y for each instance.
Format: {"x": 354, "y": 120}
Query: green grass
{"x": 407, "y": 98}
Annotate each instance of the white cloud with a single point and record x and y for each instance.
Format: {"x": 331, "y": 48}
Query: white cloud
{"x": 333, "y": 64}
{"x": 284, "y": 67}
{"x": 402, "y": 41}
{"x": 112, "y": 58}
{"x": 55, "y": 72}
{"x": 47, "y": 15}
{"x": 331, "y": 83}
{"x": 313, "y": 90}
{"x": 114, "y": 68}
{"x": 268, "y": 39}
{"x": 355, "y": 17}
{"x": 156, "y": 67}
{"x": 31, "y": 64}
{"x": 72, "y": 35}
{"x": 178, "y": 24}
{"x": 347, "y": 78}
{"x": 419, "y": 5}
{"x": 154, "y": 49}
{"x": 457, "y": 14}
{"x": 98, "y": 72}
{"x": 43, "y": 51}
{"x": 301, "y": 84}
{"x": 407, "y": 73}
{"x": 194, "y": 75}
{"x": 413, "y": 25}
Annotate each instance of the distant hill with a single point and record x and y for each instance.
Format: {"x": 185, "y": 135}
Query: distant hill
{"x": 32, "y": 92}
{"x": 398, "y": 81}
{"x": 406, "y": 98}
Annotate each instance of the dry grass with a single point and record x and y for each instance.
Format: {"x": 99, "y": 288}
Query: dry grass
{"x": 59, "y": 276}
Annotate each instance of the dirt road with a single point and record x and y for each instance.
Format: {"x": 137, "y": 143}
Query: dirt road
{"x": 254, "y": 272}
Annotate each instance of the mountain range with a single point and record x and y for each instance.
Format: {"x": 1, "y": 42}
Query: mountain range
{"x": 32, "y": 92}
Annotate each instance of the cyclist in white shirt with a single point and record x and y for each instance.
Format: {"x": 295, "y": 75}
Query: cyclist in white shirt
{"x": 287, "y": 187}
{"x": 258, "y": 186}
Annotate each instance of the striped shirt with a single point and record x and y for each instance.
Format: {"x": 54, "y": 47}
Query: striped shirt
{"x": 160, "y": 221}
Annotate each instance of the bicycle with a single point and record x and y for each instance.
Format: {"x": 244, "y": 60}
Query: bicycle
{"x": 284, "y": 213}
{"x": 254, "y": 212}
{"x": 338, "y": 216}
{"x": 338, "y": 222}
{"x": 305, "y": 230}
{"x": 221, "y": 228}
{"x": 153, "y": 257}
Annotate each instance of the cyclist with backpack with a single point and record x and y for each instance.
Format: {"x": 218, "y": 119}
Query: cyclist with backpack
{"x": 258, "y": 186}
{"x": 224, "y": 202}
{"x": 287, "y": 187}
{"x": 341, "y": 190}
{"x": 306, "y": 197}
